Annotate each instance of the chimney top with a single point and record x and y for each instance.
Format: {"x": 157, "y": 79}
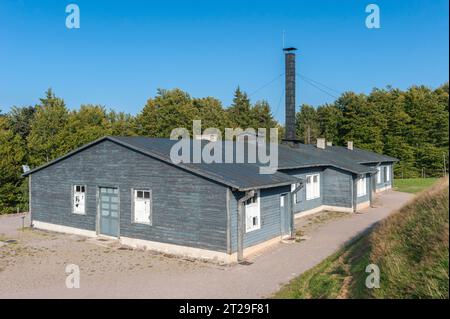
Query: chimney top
{"x": 321, "y": 143}
{"x": 289, "y": 49}
{"x": 329, "y": 143}
{"x": 350, "y": 145}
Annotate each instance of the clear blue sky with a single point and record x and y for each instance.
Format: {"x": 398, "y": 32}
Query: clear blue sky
{"x": 125, "y": 50}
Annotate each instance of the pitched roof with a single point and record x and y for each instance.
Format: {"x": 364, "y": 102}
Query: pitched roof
{"x": 302, "y": 155}
{"x": 362, "y": 156}
{"x": 356, "y": 155}
{"x": 243, "y": 176}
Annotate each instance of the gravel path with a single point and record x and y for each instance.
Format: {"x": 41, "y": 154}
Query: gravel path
{"x": 34, "y": 267}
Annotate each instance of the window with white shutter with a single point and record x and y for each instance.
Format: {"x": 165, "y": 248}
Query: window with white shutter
{"x": 252, "y": 213}
{"x": 142, "y": 206}
{"x": 361, "y": 185}
{"x": 79, "y": 199}
{"x": 312, "y": 186}
{"x": 388, "y": 173}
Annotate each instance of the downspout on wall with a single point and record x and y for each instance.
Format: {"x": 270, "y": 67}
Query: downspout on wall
{"x": 371, "y": 188}
{"x": 354, "y": 194}
{"x": 29, "y": 200}
{"x": 292, "y": 205}
{"x": 241, "y": 224}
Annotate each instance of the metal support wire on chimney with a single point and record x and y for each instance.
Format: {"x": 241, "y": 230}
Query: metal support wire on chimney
{"x": 317, "y": 82}
{"x": 310, "y": 82}
{"x": 266, "y": 85}
{"x": 279, "y": 103}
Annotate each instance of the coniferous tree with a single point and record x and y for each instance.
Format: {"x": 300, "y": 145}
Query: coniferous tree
{"x": 308, "y": 129}
{"x": 240, "y": 111}
{"x": 50, "y": 119}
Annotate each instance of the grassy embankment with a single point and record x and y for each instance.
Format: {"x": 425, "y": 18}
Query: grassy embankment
{"x": 413, "y": 185}
{"x": 411, "y": 249}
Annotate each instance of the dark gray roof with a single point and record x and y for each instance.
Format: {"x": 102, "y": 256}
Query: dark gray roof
{"x": 242, "y": 177}
{"x": 362, "y": 156}
{"x": 301, "y": 155}
{"x": 356, "y": 155}
{"x": 288, "y": 157}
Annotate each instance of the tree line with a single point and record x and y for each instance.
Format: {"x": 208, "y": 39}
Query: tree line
{"x": 411, "y": 125}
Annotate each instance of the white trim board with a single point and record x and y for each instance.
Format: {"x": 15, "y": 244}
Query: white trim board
{"x": 198, "y": 253}
{"x": 382, "y": 189}
{"x": 363, "y": 205}
{"x": 172, "y": 249}
{"x": 323, "y": 208}
{"x": 176, "y": 249}
{"x": 331, "y": 209}
{"x": 64, "y": 229}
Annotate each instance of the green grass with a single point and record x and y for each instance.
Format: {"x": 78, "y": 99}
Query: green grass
{"x": 413, "y": 185}
{"x": 411, "y": 249}
{"x": 331, "y": 278}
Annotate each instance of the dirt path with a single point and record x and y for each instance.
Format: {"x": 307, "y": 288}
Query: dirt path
{"x": 34, "y": 267}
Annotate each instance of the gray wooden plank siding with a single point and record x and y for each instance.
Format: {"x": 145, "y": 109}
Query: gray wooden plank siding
{"x": 270, "y": 217}
{"x": 186, "y": 209}
{"x": 301, "y": 204}
{"x": 337, "y": 187}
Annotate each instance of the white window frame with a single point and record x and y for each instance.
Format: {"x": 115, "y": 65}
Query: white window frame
{"x": 252, "y": 211}
{"x": 312, "y": 188}
{"x": 379, "y": 175}
{"x": 135, "y": 197}
{"x": 361, "y": 186}
{"x": 81, "y": 192}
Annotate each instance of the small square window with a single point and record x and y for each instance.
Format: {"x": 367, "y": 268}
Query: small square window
{"x": 146, "y": 195}
{"x": 140, "y": 194}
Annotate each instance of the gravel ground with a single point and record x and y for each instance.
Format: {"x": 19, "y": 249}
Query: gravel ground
{"x": 34, "y": 266}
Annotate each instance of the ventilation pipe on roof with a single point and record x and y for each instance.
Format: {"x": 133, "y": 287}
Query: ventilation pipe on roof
{"x": 241, "y": 224}
{"x": 321, "y": 143}
{"x": 350, "y": 145}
